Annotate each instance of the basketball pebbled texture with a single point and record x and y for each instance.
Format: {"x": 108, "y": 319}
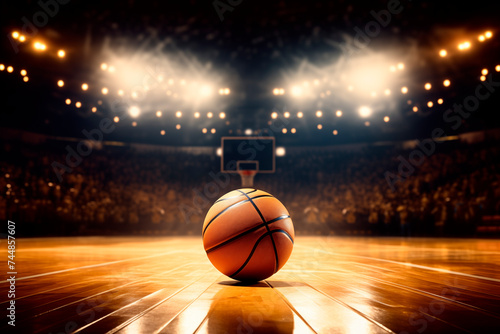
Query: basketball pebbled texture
{"x": 248, "y": 234}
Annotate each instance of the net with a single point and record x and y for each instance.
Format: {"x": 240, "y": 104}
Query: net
{"x": 247, "y": 177}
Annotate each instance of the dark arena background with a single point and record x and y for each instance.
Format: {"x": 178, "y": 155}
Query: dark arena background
{"x": 375, "y": 123}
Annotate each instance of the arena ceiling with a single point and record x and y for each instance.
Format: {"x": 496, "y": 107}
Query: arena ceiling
{"x": 307, "y": 72}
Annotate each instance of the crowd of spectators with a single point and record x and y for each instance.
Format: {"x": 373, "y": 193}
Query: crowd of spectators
{"x": 124, "y": 190}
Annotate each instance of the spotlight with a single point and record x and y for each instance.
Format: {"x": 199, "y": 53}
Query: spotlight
{"x": 61, "y": 53}
{"x": 134, "y": 112}
{"x": 39, "y": 46}
{"x": 446, "y": 83}
{"x": 339, "y": 113}
{"x": 365, "y": 112}
{"x": 443, "y": 53}
{"x": 60, "y": 83}
{"x": 206, "y": 91}
{"x": 296, "y": 91}
{"x": 280, "y": 151}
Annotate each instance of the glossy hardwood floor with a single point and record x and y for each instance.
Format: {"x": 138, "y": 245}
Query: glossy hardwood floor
{"x": 329, "y": 285}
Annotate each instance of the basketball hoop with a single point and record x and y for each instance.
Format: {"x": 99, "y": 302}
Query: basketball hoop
{"x": 247, "y": 177}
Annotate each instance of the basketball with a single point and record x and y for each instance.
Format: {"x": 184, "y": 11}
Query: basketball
{"x": 248, "y": 234}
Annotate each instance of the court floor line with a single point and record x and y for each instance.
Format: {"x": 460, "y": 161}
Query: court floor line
{"x": 142, "y": 312}
{"x": 114, "y": 288}
{"x": 94, "y": 265}
{"x": 159, "y": 330}
{"x": 403, "y": 288}
{"x": 294, "y": 310}
{"x": 117, "y": 310}
{"x": 373, "y": 321}
{"x": 432, "y": 295}
{"x": 49, "y": 290}
{"x": 103, "y": 292}
{"x": 407, "y": 264}
{"x": 417, "y": 291}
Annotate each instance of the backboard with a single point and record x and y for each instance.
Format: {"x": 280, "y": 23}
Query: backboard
{"x": 248, "y": 154}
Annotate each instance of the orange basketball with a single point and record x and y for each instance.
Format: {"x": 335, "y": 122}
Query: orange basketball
{"x": 248, "y": 234}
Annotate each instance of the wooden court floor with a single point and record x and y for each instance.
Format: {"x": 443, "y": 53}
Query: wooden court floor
{"x": 329, "y": 285}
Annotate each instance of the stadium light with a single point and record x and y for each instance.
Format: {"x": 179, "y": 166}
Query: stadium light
{"x": 280, "y": 151}
{"x": 296, "y": 91}
{"x": 365, "y": 112}
{"x": 134, "y": 111}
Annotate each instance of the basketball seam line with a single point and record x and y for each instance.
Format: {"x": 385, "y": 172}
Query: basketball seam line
{"x": 255, "y": 247}
{"x": 229, "y": 207}
{"x": 268, "y": 230}
{"x": 232, "y": 197}
{"x": 245, "y": 233}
